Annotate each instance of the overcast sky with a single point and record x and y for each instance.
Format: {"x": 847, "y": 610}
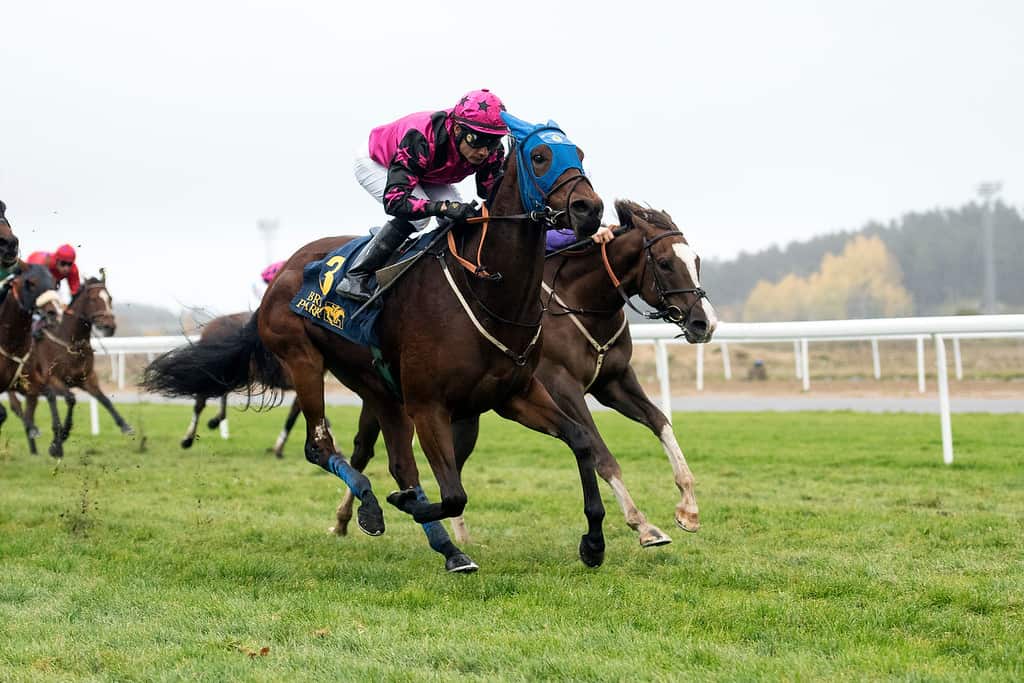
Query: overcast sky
{"x": 156, "y": 135}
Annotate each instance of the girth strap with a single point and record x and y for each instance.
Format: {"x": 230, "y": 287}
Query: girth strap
{"x": 20, "y": 360}
{"x": 601, "y": 349}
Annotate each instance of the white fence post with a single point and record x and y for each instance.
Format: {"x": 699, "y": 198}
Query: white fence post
{"x": 94, "y": 416}
{"x": 120, "y": 370}
{"x": 944, "y": 418}
{"x": 875, "y": 362}
{"x": 726, "y": 363}
{"x": 957, "y": 362}
{"x": 796, "y": 358}
{"x": 805, "y": 369}
{"x": 661, "y": 363}
{"x": 920, "y": 365}
{"x": 700, "y": 367}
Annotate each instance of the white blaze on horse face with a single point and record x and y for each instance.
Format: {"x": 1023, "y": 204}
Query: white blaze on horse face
{"x": 685, "y": 253}
{"x": 105, "y": 298}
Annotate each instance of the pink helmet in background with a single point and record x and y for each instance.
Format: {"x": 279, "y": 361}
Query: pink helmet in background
{"x": 481, "y": 111}
{"x": 270, "y": 271}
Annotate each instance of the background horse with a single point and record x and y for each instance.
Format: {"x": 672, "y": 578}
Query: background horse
{"x": 28, "y": 290}
{"x": 63, "y": 360}
{"x": 587, "y": 348}
{"x": 447, "y": 363}
{"x": 217, "y": 330}
{"x": 8, "y": 244}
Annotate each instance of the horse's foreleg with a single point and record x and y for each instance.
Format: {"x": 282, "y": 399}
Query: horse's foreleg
{"x": 536, "y": 410}
{"x": 57, "y": 445}
{"x": 625, "y": 395}
{"x": 31, "y": 431}
{"x": 190, "y": 433}
{"x": 398, "y": 431}
{"x": 293, "y": 415}
{"x": 434, "y": 427}
{"x": 567, "y": 393}
{"x": 215, "y": 421}
{"x": 362, "y": 453}
{"x": 69, "y": 401}
{"x": 464, "y": 435}
{"x": 92, "y": 385}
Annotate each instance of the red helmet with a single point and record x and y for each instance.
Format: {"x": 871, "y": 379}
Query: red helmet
{"x": 481, "y": 111}
{"x": 65, "y": 252}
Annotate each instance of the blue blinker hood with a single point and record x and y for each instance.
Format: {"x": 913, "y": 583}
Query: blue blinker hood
{"x": 533, "y": 190}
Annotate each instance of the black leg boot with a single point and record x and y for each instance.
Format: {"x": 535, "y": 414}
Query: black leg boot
{"x": 356, "y": 283}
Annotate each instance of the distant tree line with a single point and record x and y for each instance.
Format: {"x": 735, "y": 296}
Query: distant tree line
{"x": 938, "y": 252}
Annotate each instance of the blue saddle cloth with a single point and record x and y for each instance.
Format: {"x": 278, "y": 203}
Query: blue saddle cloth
{"x": 317, "y": 300}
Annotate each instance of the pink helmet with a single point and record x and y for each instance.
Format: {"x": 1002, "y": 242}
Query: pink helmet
{"x": 270, "y": 271}
{"x": 481, "y": 111}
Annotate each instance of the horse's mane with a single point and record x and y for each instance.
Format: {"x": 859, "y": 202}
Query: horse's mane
{"x": 628, "y": 210}
{"x": 81, "y": 291}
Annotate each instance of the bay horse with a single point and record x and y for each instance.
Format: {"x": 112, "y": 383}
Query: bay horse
{"x": 63, "y": 360}
{"x": 219, "y": 329}
{"x": 588, "y": 348}
{"x": 458, "y": 338}
{"x": 27, "y": 291}
{"x": 8, "y": 244}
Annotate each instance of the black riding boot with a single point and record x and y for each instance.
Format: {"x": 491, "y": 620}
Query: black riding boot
{"x": 356, "y": 283}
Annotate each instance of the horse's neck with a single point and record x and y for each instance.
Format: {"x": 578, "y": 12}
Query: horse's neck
{"x": 515, "y": 249}
{"x": 583, "y": 281}
{"x": 74, "y": 328}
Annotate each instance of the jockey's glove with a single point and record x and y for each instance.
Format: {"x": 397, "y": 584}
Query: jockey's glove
{"x": 457, "y": 211}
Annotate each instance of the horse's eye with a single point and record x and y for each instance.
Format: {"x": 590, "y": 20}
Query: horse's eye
{"x": 665, "y": 264}
{"x": 538, "y": 159}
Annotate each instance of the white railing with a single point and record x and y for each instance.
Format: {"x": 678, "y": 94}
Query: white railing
{"x": 938, "y": 329}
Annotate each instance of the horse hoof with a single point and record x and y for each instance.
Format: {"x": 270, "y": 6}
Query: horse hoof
{"x": 459, "y": 563}
{"x": 591, "y": 554}
{"x": 688, "y": 522}
{"x": 371, "y": 521}
{"x": 127, "y": 429}
{"x": 654, "y": 537}
{"x": 56, "y": 451}
{"x": 403, "y": 500}
{"x": 339, "y": 529}
{"x": 186, "y": 443}
{"x": 213, "y": 423}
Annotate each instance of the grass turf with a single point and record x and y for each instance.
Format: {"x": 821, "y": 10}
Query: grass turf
{"x": 834, "y": 545}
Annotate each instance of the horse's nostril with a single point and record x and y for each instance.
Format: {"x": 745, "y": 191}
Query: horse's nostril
{"x": 699, "y": 326}
{"x": 581, "y": 206}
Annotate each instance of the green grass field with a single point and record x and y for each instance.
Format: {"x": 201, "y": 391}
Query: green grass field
{"x": 833, "y": 546}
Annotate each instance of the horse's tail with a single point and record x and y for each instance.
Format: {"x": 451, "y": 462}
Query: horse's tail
{"x": 214, "y": 368}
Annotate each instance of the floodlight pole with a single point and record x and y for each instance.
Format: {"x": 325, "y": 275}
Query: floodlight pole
{"x": 987, "y": 191}
{"x": 268, "y": 229}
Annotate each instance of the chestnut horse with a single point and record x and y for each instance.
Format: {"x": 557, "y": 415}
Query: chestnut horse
{"x": 587, "y": 348}
{"x": 459, "y": 339}
{"x": 218, "y": 329}
{"x": 63, "y": 360}
{"x": 28, "y": 290}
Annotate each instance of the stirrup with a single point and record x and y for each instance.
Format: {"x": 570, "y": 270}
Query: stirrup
{"x": 354, "y": 288}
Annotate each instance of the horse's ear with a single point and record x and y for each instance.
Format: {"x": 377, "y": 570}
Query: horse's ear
{"x": 3, "y": 209}
{"x": 624, "y": 210}
{"x": 103, "y": 275}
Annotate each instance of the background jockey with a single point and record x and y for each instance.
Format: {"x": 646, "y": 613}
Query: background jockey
{"x": 560, "y": 238}
{"x": 260, "y": 288}
{"x": 410, "y": 165}
{"x": 61, "y": 264}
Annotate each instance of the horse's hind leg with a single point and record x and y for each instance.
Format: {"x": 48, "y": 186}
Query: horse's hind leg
{"x": 305, "y": 366}
{"x": 625, "y": 395}
{"x": 293, "y": 414}
{"x": 567, "y": 394}
{"x": 362, "y": 453}
{"x": 92, "y": 385}
{"x": 190, "y": 433}
{"x": 221, "y": 414}
{"x": 536, "y": 410}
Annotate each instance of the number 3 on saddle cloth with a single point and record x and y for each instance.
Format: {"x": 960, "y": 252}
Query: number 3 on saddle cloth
{"x": 317, "y": 300}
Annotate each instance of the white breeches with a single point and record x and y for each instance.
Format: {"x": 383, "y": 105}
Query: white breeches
{"x": 374, "y": 179}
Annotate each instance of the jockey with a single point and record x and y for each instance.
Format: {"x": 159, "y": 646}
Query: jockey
{"x": 61, "y": 264}
{"x": 270, "y": 271}
{"x": 411, "y": 165}
{"x": 260, "y": 288}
